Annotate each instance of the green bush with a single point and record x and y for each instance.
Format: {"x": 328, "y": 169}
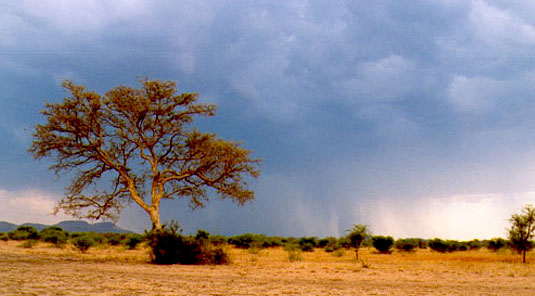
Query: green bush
{"x": 463, "y": 246}
{"x": 345, "y": 242}
{"x": 474, "y": 244}
{"x": 294, "y": 252}
{"x": 84, "y": 242}
{"x": 133, "y": 240}
{"x": 438, "y": 245}
{"x": 202, "y": 234}
{"x": 328, "y": 241}
{"x": 383, "y": 244}
{"x": 443, "y": 246}
{"x": 243, "y": 241}
{"x": 406, "y": 245}
{"x": 114, "y": 239}
{"x": 55, "y": 235}
{"x": 496, "y": 243}
{"x": 4, "y": 236}
{"x": 169, "y": 246}
{"x": 23, "y": 233}
{"x": 28, "y": 244}
{"x": 307, "y": 244}
{"x": 218, "y": 240}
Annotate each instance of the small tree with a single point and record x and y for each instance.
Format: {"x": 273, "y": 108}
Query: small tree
{"x": 357, "y": 234}
{"x": 138, "y": 144}
{"x": 521, "y": 231}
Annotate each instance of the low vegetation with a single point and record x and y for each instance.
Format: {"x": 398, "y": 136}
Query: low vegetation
{"x": 170, "y": 246}
{"x": 23, "y": 233}
{"x": 55, "y": 235}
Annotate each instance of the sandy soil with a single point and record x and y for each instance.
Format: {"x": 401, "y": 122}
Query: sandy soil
{"x": 46, "y": 270}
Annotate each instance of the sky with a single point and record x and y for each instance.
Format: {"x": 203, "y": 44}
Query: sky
{"x": 416, "y": 119}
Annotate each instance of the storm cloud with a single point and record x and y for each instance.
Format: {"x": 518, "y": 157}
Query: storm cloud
{"x": 416, "y": 119}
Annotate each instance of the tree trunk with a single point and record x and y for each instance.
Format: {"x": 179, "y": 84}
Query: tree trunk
{"x": 155, "y": 219}
{"x": 524, "y": 256}
{"x": 357, "y": 253}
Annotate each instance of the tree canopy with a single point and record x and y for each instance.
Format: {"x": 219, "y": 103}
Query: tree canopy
{"x": 521, "y": 231}
{"x": 138, "y": 144}
{"x": 357, "y": 234}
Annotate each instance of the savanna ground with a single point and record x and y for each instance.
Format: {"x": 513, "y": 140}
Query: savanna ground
{"x": 47, "y": 270}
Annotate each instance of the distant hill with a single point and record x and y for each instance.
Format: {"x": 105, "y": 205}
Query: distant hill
{"x": 83, "y": 226}
{"x": 71, "y": 226}
{"x": 37, "y": 226}
{"x": 7, "y": 227}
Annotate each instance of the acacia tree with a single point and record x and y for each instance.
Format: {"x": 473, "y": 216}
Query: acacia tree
{"x": 521, "y": 231}
{"x": 357, "y": 234}
{"x": 137, "y": 144}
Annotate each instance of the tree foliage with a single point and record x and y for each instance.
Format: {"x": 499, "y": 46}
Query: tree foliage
{"x": 357, "y": 234}
{"x": 138, "y": 144}
{"x": 521, "y": 231}
{"x": 383, "y": 244}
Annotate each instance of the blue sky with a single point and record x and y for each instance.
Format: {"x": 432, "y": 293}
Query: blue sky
{"x": 416, "y": 119}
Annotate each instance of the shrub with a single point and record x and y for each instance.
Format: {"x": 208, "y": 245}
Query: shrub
{"x": 202, "y": 234}
{"x": 345, "y": 242}
{"x": 28, "y": 244}
{"x": 133, "y": 240}
{"x": 338, "y": 253}
{"x": 307, "y": 244}
{"x": 406, "y": 245}
{"x": 243, "y": 241}
{"x": 383, "y": 244}
{"x": 114, "y": 239}
{"x": 98, "y": 238}
{"x": 169, "y": 246}
{"x": 54, "y": 234}
{"x": 24, "y": 232}
{"x": 273, "y": 241}
{"x": 422, "y": 243}
{"x": 4, "y": 236}
{"x": 83, "y": 242}
{"x": 474, "y": 244}
{"x": 442, "y": 246}
{"x": 453, "y": 245}
{"x": 294, "y": 252}
{"x": 438, "y": 245}
{"x": 218, "y": 240}
{"x": 463, "y": 246}
{"x": 496, "y": 243}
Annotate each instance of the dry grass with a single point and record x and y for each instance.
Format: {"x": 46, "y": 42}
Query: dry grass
{"x": 46, "y": 270}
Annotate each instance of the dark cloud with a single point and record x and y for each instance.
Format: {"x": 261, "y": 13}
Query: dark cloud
{"x": 356, "y": 106}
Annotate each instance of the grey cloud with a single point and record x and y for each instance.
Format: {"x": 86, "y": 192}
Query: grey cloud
{"x": 348, "y": 101}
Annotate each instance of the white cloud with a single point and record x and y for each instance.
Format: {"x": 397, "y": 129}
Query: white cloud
{"x": 75, "y": 18}
{"x": 29, "y": 206}
{"x": 475, "y": 93}
{"x": 461, "y": 217}
{"x": 482, "y": 94}
{"x": 495, "y": 25}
